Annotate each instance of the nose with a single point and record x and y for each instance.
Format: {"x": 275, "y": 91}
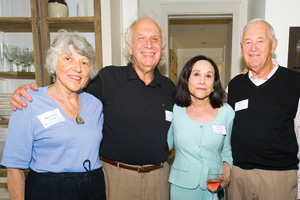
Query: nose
{"x": 201, "y": 80}
{"x": 77, "y": 66}
{"x": 253, "y": 46}
{"x": 148, "y": 43}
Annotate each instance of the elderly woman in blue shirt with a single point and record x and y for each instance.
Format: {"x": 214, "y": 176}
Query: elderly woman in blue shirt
{"x": 200, "y": 131}
{"x": 58, "y": 135}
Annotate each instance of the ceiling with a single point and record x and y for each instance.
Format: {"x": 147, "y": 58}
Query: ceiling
{"x": 199, "y": 32}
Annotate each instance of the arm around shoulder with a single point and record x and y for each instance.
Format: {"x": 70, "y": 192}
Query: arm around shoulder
{"x": 17, "y": 102}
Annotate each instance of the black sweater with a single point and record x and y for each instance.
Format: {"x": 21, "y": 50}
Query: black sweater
{"x": 263, "y": 135}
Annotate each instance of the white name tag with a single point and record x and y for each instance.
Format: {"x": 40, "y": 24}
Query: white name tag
{"x": 169, "y": 116}
{"x": 51, "y": 117}
{"x": 241, "y": 105}
{"x": 218, "y": 129}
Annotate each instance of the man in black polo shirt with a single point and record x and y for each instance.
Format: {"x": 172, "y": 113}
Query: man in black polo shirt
{"x": 137, "y": 106}
{"x": 267, "y": 121}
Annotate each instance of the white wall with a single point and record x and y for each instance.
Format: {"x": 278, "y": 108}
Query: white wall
{"x": 256, "y": 9}
{"x": 281, "y": 15}
{"x": 106, "y": 28}
{"x": 130, "y": 8}
{"x": 116, "y": 32}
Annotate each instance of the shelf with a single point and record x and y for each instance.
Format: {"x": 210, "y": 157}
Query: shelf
{"x": 15, "y": 24}
{"x": 4, "y": 122}
{"x": 17, "y": 75}
{"x": 23, "y": 24}
{"x": 82, "y": 24}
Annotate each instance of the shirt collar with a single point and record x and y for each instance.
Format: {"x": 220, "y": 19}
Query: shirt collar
{"x": 251, "y": 76}
{"x": 131, "y": 74}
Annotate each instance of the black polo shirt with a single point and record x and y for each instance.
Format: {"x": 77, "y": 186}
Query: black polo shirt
{"x": 136, "y": 118}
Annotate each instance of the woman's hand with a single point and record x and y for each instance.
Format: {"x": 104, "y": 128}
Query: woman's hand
{"x": 225, "y": 179}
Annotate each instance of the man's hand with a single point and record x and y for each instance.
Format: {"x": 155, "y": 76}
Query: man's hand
{"x": 17, "y": 102}
{"x": 245, "y": 71}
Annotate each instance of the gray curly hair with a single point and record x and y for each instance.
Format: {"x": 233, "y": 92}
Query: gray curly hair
{"x": 128, "y": 36}
{"x": 61, "y": 44}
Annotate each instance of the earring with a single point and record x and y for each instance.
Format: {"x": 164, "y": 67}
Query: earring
{"x": 53, "y": 74}
{"x": 212, "y": 90}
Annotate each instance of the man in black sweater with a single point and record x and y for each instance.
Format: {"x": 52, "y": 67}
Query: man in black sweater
{"x": 267, "y": 121}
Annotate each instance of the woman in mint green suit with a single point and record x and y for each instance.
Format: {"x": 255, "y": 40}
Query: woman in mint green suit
{"x": 200, "y": 131}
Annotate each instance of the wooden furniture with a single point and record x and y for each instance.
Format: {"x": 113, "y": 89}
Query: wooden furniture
{"x": 41, "y": 25}
{"x": 173, "y": 66}
{"x": 294, "y": 50}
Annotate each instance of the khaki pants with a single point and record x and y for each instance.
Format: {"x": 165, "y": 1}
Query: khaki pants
{"x": 124, "y": 184}
{"x": 258, "y": 184}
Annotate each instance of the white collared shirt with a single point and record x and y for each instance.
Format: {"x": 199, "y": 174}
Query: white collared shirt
{"x": 258, "y": 81}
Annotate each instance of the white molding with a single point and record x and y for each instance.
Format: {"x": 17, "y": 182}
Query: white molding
{"x": 199, "y": 2}
{"x": 106, "y": 32}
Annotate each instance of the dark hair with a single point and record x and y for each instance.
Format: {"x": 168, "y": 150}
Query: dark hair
{"x": 182, "y": 93}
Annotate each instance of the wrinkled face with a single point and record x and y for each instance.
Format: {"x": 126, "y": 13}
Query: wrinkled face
{"x": 73, "y": 70}
{"x": 146, "y": 45}
{"x": 201, "y": 80}
{"x": 257, "y": 48}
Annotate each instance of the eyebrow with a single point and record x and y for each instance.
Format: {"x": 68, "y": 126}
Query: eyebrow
{"x": 196, "y": 70}
{"x": 142, "y": 34}
{"x": 260, "y": 37}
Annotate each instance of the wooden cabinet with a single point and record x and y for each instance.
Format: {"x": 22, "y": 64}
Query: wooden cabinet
{"x": 41, "y": 25}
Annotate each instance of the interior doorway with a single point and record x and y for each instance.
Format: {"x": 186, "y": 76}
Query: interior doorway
{"x": 209, "y": 35}
{"x": 235, "y": 9}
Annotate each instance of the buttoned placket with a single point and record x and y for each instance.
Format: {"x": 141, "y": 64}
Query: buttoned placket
{"x": 201, "y": 128}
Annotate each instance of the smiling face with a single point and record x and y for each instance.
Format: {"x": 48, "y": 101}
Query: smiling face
{"x": 146, "y": 46}
{"x": 201, "y": 80}
{"x": 72, "y": 71}
{"x": 257, "y": 48}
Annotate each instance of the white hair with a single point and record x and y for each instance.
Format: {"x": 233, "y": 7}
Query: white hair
{"x": 128, "y": 36}
{"x": 271, "y": 31}
{"x": 61, "y": 44}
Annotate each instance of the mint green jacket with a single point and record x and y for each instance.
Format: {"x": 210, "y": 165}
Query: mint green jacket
{"x": 199, "y": 146}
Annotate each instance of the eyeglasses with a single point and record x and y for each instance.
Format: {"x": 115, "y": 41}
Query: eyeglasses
{"x": 220, "y": 193}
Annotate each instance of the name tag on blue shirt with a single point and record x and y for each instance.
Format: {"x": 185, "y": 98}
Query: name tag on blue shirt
{"x": 51, "y": 117}
{"x": 241, "y": 105}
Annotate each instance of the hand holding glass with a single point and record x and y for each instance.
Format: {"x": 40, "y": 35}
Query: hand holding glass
{"x": 213, "y": 180}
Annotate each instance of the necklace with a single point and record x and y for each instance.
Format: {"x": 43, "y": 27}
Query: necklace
{"x": 79, "y": 120}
